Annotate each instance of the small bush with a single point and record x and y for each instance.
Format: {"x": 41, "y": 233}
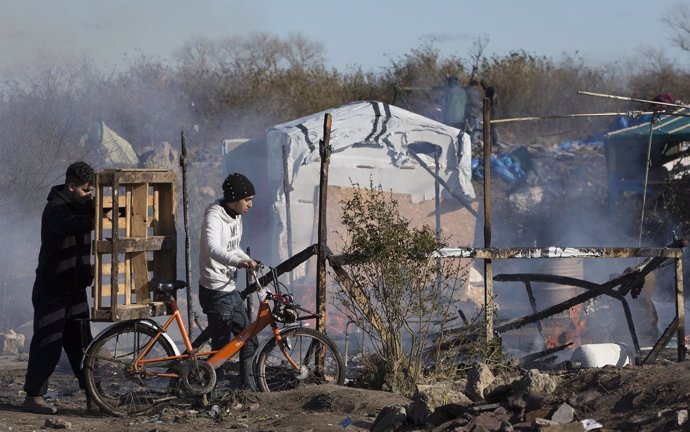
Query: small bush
{"x": 405, "y": 299}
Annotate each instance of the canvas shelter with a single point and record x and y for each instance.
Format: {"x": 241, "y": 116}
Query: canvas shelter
{"x": 371, "y": 143}
{"x": 626, "y": 152}
{"x": 111, "y": 148}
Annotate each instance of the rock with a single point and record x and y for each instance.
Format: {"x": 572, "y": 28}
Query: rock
{"x": 450, "y": 412}
{"x": 485, "y": 422}
{"x": 162, "y": 156}
{"x": 452, "y": 425}
{"x": 479, "y": 377}
{"x": 57, "y": 423}
{"x": 681, "y": 417}
{"x": 11, "y": 343}
{"x": 534, "y": 381}
{"x": 390, "y": 418}
{"x": 564, "y": 414}
{"x": 538, "y": 414}
{"x": 569, "y": 427}
{"x": 500, "y": 389}
{"x": 429, "y": 397}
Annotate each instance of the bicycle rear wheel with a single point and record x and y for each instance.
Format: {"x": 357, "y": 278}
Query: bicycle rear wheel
{"x": 113, "y": 386}
{"x": 306, "y": 347}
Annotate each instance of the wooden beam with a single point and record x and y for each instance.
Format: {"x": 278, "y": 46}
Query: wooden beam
{"x": 125, "y": 244}
{"x": 325, "y": 153}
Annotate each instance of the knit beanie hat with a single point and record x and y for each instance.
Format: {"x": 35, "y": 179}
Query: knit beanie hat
{"x": 236, "y": 187}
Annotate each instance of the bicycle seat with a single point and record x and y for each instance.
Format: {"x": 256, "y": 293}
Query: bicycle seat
{"x": 169, "y": 286}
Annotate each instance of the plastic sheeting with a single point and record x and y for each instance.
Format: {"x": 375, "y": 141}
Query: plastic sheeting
{"x": 370, "y": 143}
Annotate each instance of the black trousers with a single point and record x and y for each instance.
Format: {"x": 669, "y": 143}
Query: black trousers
{"x": 227, "y": 316}
{"x": 60, "y": 321}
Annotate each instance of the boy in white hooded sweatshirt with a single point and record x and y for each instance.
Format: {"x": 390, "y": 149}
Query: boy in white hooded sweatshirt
{"x": 220, "y": 256}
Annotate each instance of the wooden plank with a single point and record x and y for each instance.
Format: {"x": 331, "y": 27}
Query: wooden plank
{"x": 98, "y": 229}
{"x": 556, "y": 252}
{"x": 140, "y": 277}
{"x": 126, "y": 245}
{"x": 156, "y": 210}
{"x": 106, "y": 267}
{"x": 121, "y": 222}
{"x": 141, "y": 177}
{"x": 165, "y": 262}
{"x": 108, "y": 201}
{"x": 114, "y": 250}
{"x": 106, "y": 292}
{"x": 131, "y": 312}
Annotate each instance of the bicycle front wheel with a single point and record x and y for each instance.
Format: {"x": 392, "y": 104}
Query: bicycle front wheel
{"x": 316, "y": 355}
{"x": 113, "y": 385}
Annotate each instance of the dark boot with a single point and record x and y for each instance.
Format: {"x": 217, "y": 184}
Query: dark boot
{"x": 91, "y": 406}
{"x": 37, "y": 405}
{"x": 246, "y": 376}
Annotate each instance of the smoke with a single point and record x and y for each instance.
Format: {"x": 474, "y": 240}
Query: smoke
{"x": 112, "y": 33}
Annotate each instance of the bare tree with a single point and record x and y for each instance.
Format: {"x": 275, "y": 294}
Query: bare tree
{"x": 479, "y": 45}
{"x": 678, "y": 19}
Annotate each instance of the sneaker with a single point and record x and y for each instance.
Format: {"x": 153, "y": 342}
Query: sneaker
{"x": 38, "y": 405}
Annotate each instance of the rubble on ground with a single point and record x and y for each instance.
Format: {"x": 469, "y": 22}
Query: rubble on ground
{"x": 604, "y": 399}
{"x": 11, "y": 343}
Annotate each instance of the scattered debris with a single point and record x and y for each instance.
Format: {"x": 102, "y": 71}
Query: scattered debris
{"x": 11, "y": 343}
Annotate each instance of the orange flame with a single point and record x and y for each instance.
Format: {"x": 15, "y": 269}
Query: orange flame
{"x": 573, "y": 331}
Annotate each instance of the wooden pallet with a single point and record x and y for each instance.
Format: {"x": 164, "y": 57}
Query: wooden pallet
{"x": 138, "y": 247}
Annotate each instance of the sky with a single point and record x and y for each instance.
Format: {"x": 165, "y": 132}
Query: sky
{"x": 362, "y": 33}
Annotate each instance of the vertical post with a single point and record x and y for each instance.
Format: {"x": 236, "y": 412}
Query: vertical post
{"x": 325, "y": 153}
{"x": 648, "y": 164}
{"x": 115, "y": 257}
{"x": 437, "y": 195}
{"x": 680, "y": 309}
{"x": 288, "y": 211}
{"x": 248, "y": 281}
{"x": 437, "y": 211}
{"x": 488, "y": 266}
{"x": 185, "y": 210}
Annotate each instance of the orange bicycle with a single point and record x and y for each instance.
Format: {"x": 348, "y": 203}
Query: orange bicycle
{"x": 134, "y": 367}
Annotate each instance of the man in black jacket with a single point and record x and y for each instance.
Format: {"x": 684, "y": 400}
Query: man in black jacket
{"x": 59, "y": 293}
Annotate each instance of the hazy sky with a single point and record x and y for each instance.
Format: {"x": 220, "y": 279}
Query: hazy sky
{"x": 366, "y": 33}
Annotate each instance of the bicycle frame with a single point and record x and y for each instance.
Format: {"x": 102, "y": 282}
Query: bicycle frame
{"x": 215, "y": 357}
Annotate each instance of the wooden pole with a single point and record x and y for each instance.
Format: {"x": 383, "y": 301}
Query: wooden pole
{"x": 437, "y": 210}
{"x": 325, "y": 153}
{"x": 187, "y": 251}
{"x": 625, "y": 98}
{"x": 437, "y": 195}
{"x": 647, "y": 165}
{"x": 565, "y": 116}
{"x": 680, "y": 309}
{"x": 488, "y": 266}
{"x": 288, "y": 211}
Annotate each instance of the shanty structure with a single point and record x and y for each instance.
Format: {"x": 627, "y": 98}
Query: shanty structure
{"x": 665, "y": 139}
{"x": 372, "y": 143}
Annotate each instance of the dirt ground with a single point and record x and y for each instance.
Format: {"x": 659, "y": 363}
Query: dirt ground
{"x": 318, "y": 408}
{"x": 634, "y": 398}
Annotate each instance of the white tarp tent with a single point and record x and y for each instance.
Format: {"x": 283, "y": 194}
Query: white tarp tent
{"x": 370, "y": 143}
{"x": 112, "y": 149}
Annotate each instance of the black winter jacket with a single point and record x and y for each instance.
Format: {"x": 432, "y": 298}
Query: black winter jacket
{"x": 64, "y": 262}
